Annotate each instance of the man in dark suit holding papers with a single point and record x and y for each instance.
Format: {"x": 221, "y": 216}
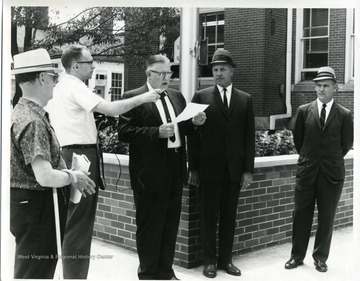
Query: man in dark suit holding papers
{"x": 157, "y": 168}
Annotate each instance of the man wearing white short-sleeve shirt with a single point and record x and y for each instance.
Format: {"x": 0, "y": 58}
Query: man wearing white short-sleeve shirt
{"x": 71, "y": 114}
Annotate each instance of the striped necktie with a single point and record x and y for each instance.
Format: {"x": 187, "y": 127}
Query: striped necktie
{"x": 323, "y": 115}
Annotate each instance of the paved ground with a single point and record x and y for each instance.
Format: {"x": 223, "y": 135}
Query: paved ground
{"x": 114, "y": 263}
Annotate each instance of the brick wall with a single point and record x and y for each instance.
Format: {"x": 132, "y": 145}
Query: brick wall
{"x": 337, "y": 40}
{"x": 263, "y": 219}
{"x": 259, "y": 54}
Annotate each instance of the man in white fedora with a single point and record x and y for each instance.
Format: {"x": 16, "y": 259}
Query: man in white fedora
{"x": 323, "y": 134}
{"x": 36, "y": 168}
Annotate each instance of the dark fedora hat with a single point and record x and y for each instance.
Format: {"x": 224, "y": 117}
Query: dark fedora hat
{"x": 222, "y": 56}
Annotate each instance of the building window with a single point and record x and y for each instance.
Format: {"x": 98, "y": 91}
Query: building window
{"x": 101, "y": 77}
{"x": 116, "y": 86}
{"x": 212, "y": 28}
{"x": 315, "y": 41}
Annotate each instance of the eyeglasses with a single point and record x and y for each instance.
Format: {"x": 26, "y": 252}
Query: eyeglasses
{"x": 91, "y": 62}
{"x": 163, "y": 74}
{"x": 54, "y": 76}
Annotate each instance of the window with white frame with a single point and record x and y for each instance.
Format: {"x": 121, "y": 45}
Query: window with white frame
{"x": 315, "y": 41}
{"x": 116, "y": 86}
{"x": 212, "y": 28}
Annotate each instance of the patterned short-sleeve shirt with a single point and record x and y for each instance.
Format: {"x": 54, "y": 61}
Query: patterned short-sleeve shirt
{"x": 31, "y": 136}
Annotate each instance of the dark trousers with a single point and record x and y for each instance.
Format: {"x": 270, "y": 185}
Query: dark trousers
{"x": 32, "y": 222}
{"x": 157, "y": 220}
{"x": 218, "y": 203}
{"x": 80, "y": 221}
{"x": 327, "y": 196}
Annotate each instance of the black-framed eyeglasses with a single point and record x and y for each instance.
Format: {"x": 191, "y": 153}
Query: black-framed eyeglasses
{"x": 163, "y": 74}
{"x": 91, "y": 62}
{"x": 54, "y": 76}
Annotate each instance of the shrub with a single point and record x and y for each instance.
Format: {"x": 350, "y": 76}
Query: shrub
{"x": 279, "y": 143}
{"x": 110, "y": 141}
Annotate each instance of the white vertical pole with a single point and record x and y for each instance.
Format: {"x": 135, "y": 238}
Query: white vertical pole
{"x": 189, "y": 36}
{"x": 58, "y": 234}
{"x": 356, "y": 176}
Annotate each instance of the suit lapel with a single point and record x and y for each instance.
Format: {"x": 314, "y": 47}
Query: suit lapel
{"x": 332, "y": 114}
{"x": 233, "y": 101}
{"x": 174, "y": 102}
{"x": 151, "y": 106}
{"x": 218, "y": 101}
{"x": 315, "y": 112}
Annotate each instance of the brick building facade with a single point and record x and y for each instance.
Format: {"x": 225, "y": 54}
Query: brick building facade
{"x": 257, "y": 39}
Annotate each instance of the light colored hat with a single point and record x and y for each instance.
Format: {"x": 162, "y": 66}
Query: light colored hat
{"x": 325, "y": 73}
{"x": 33, "y": 61}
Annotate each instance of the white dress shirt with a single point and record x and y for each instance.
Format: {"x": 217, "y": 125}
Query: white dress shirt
{"x": 228, "y": 93}
{"x": 71, "y": 111}
{"x": 177, "y": 142}
{"x": 327, "y": 108}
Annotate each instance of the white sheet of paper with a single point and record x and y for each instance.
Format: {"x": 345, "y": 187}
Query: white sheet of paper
{"x": 79, "y": 163}
{"x": 191, "y": 110}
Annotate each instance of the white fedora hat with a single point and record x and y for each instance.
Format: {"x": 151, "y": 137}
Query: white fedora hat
{"x": 325, "y": 73}
{"x": 33, "y": 61}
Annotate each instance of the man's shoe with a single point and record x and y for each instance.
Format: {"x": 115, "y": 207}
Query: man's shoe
{"x": 320, "y": 266}
{"x": 293, "y": 263}
{"x": 230, "y": 269}
{"x": 209, "y": 270}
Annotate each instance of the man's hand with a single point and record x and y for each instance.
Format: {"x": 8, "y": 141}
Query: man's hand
{"x": 83, "y": 183}
{"x": 151, "y": 96}
{"x": 199, "y": 119}
{"x": 166, "y": 130}
{"x": 246, "y": 180}
{"x": 194, "y": 178}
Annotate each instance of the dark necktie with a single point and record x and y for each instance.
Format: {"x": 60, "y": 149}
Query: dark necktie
{"x": 225, "y": 100}
{"x": 166, "y": 109}
{"x": 323, "y": 115}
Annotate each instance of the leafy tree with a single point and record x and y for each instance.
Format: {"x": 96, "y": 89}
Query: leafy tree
{"x": 98, "y": 28}
{"x": 33, "y": 19}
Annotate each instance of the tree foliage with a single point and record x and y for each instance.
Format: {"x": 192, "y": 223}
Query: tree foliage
{"x": 99, "y": 30}
{"x": 33, "y": 19}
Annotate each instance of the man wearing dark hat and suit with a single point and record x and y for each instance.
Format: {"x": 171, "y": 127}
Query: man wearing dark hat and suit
{"x": 221, "y": 161}
{"x": 323, "y": 135}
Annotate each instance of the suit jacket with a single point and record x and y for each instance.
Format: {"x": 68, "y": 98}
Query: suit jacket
{"x": 322, "y": 148}
{"x": 147, "y": 152}
{"x": 227, "y": 138}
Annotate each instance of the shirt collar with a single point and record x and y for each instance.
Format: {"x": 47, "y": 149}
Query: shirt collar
{"x": 152, "y": 89}
{"x": 328, "y": 105}
{"x": 228, "y": 88}
{"x": 33, "y": 105}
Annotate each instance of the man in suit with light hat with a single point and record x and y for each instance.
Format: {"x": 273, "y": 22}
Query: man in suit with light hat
{"x": 37, "y": 167}
{"x": 221, "y": 160}
{"x": 323, "y": 135}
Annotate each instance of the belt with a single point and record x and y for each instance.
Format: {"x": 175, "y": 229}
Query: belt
{"x": 80, "y": 146}
{"x": 175, "y": 149}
